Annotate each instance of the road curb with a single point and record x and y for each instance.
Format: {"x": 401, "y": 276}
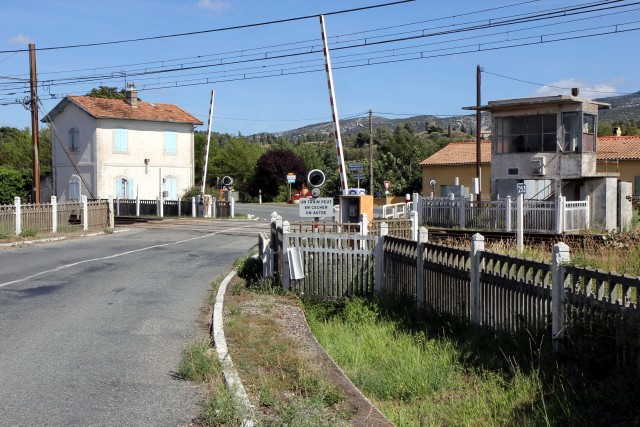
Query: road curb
{"x": 231, "y": 377}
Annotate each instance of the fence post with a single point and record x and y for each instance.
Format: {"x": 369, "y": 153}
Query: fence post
{"x": 85, "y": 213}
{"x": 193, "y": 207}
{"x": 520, "y": 224}
{"x": 213, "y": 207}
{"x": 507, "y": 214}
{"x": 413, "y": 216}
{"x": 417, "y": 206}
{"x": 587, "y": 217}
{"x": 423, "y": 238}
{"x": 477, "y": 246}
{"x": 232, "y": 207}
{"x": 18, "y": 206}
{"x": 384, "y": 230}
{"x": 137, "y": 205}
{"x": 462, "y": 212}
{"x": 560, "y": 215}
{"x": 118, "y": 206}
{"x": 364, "y": 225}
{"x": 561, "y": 255}
{"x": 285, "y": 273}
{"x": 336, "y": 218}
{"x": 112, "y": 219}
{"x": 179, "y": 206}
{"x": 54, "y": 214}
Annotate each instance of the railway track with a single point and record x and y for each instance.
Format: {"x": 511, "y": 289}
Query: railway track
{"x": 439, "y": 234}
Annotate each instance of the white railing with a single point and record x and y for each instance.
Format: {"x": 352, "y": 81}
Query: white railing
{"x": 576, "y": 215}
{"x": 396, "y": 210}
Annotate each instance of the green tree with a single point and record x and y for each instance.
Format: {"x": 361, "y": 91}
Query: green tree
{"x": 237, "y": 159}
{"x": 13, "y": 183}
{"x": 272, "y": 169}
{"x": 107, "y": 92}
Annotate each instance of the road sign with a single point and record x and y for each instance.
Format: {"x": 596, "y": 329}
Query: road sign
{"x": 354, "y": 166}
{"x": 386, "y": 185}
{"x": 432, "y": 184}
{"x": 291, "y": 178}
{"x": 522, "y": 188}
{"x": 320, "y": 207}
{"x": 358, "y": 176}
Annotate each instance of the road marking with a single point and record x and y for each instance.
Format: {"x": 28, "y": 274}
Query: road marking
{"x": 63, "y": 267}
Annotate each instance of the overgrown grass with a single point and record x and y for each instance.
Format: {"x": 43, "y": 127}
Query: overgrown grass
{"x": 199, "y": 362}
{"x": 29, "y": 232}
{"x": 438, "y": 372}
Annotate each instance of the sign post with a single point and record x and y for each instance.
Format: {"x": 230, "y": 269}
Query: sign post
{"x": 291, "y": 179}
{"x": 320, "y": 207}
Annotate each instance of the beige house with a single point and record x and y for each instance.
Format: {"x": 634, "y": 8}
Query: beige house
{"x": 620, "y": 154}
{"x": 456, "y": 160}
{"x": 106, "y": 148}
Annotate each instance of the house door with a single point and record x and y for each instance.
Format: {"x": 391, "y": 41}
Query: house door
{"x": 125, "y": 188}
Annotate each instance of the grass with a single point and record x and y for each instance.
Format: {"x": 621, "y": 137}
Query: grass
{"x": 29, "y": 232}
{"x": 434, "y": 371}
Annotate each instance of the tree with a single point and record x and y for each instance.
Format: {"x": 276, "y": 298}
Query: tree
{"x": 13, "y": 183}
{"x": 272, "y": 169}
{"x": 236, "y": 159}
{"x": 107, "y": 92}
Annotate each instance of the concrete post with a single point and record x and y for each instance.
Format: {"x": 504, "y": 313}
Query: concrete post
{"x": 284, "y": 272}
{"x": 214, "y": 207}
{"x": 112, "y": 219}
{"x": 193, "y": 207}
{"x": 560, "y": 215}
{"x": 520, "y": 224}
{"x": 507, "y": 214}
{"x": 561, "y": 255}
{"x": 384, "y": 231}
{"x": 85, "y": 213}
{"x": 137, "y": 205}
{"x": 462, "y": 221}
{"x": 179, "y": 207}
{"x": 232, "y": 206}
{"x": 364, "y": 225}
{"x": 18, "y": 206}
{"x": 413, "y": 216}
{"x": 336, "y": 218}
{"x": 587, "y": 219}
{"x": 54, "y": 214}
{"x": 477, "y": 246}
{"x": 118, "y": 206}
{"x": 423, "y": 238}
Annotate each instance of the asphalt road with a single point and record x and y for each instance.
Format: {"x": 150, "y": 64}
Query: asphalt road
{"x": 91, "y": 329}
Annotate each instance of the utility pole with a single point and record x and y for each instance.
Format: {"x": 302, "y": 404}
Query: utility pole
{"x": 35, "y": 193}
{"x": 478, "y": 128}
{"x": 371, "y": 153}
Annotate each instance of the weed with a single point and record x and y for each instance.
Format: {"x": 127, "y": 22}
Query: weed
{"x": 107, "y": 230}
{"x": 5, "y": 236}
{"x": 223, "y": 409}
{"x": 234, "y": 310}
{"x": 199, "y": 362}
{"x": 29, "y": 232}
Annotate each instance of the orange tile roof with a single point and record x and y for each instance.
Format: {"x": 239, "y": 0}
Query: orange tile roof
{"x": 618, "y": 147}
{"x": 460, "y": 153}
{"x": 120, "y": 109}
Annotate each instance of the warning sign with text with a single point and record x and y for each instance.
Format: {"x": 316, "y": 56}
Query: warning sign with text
{"x": 321, "y": 207}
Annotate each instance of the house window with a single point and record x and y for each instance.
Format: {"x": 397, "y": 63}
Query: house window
{"x": 125, "y": 188}
{"x": 526, "y": 134}
{"x": 171, "y": 187}
{"x": 571, "y": 132}
{"x": 121, "y": 141}
{"x": 588, "y": 133}
{"x": 170, "y": 143}
{"x": 74, "y": 188}
{"x": 73, "y": 139}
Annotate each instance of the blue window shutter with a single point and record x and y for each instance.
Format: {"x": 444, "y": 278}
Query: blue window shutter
{"x": 119, "y": 188}
{"x": 172, "y": 188}
{"x": 121, "y": 142}
{"x": 132, "y": 189}
{"x": 170, "y": 143}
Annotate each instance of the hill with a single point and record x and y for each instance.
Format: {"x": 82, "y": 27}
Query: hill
{"x": 624, "y": 107}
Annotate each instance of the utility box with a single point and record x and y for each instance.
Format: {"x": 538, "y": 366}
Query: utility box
{"x": 351, "y": 207}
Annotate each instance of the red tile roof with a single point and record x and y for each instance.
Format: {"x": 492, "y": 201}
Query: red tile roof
{"x": 618, "y": 147}
{"x": 120, "y": 109}
{"x": 460, "y": 153}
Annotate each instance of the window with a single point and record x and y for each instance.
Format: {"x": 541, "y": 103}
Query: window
{"x": 121, "y": 141}
{"x": 526, "y": 134}
{"x": 171, "y": 186}
{"x": 73, "y": 139}
{"x": 588, "y": 133}
{"x": 170, "y": 143}
{"x": 125, "y": 188}
{"x": 74, "y": 188}
{"x": 570, "y": 129}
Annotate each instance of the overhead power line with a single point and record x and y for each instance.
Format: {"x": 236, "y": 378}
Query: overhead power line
{"x": 214, "y": 30}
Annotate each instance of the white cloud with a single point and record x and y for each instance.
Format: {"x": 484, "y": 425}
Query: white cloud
{"x": 563, "y": 87}
{"x": 214, "y": 5}
{"x": 20, "y": 39}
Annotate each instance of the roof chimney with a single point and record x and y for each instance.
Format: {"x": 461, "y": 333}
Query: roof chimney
{"x": 131, "y": 94}
{"x": 617, "y": 131}
{"x": 575, "y": 91}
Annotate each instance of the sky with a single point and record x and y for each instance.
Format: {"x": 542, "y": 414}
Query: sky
{"x": 398, "y": 60}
